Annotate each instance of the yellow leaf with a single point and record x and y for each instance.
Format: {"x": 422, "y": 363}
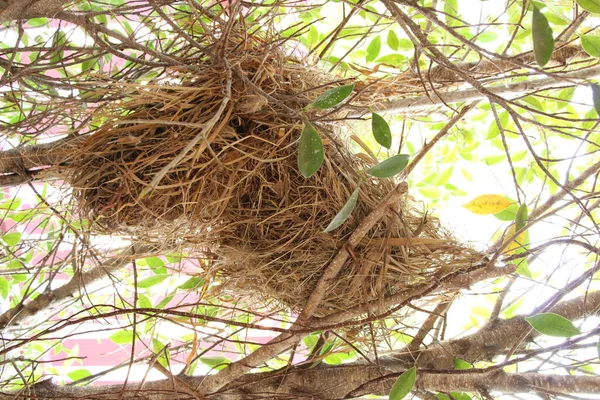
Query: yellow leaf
{"x": 487, "y": 204}
{"x": 515, "y": 244}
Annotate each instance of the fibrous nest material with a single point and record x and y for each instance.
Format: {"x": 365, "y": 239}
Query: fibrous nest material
{"x": 235, "y": 187}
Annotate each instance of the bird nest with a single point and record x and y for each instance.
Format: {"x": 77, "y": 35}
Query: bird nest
{"x": 210, "y": 153}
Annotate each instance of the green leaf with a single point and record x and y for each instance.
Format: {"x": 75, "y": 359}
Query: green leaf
{"x": 590, "y": 5}
{"x": 543, "y": 41}
{"x": 11, "y": 239}
{"x": 34, "y": 22}
{"x": 192, "y": 283}
{"x": 332, "y": 97}
{"x": 165, "y": 301}
{"x": 460, "y": 396}
{"x": 596, "y": 97}
{"x": 164, "y": 357}
{"x": 406, "y": 45}
{"x": 152, "y": 280}
{"x": 551, "y": 324}
{"x": 154, "y": 262}
{"x": 78, "y": 374}
{"x": 373, "y": 49}
{"x": 403, "y": 384}
{"x": 521, "y": 217}
{"x": 389, "y": 167}
{"x": 217, "y": 363}
{"x": 3, "y": 287}
{"x": 381, "y": 131}
{"x": 122, "y": 337}
{"x": 344, "y": 213}
{"x": 509, "y": 213}
{"x": 392, "y": 40}
{"x": 461, "y": 364}
{"x": 310, "y": 151}
{"x": 143, "y": 301}
{"x": 591, "y": 45}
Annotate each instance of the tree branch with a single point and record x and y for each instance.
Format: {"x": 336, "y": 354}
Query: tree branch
{"x": 25, "y": 158}
{"x": 419, "y": 103}
{"x": 286, "y": 340}
{"x": 492, "y": 339}
{"x": 78, "y": 281}
{"x": 330, "y": 382}
{"x": 11, "y": 10}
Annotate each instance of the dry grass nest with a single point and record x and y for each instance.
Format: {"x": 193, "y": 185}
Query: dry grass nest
{"x": 236, "y": 189}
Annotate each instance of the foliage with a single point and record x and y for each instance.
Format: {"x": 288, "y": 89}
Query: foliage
{"x": 496, "y": 137}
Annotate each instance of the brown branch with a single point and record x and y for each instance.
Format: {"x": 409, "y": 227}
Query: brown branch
{"x": 419, "y": 103}
{"x": 494, "y": 338}
{"x": 25, "y": 158}
{"x": 11, "y": 10}
{"x": 332, "y": 382}
{"x": 285, "y": 340}
{"x": 78, "y": 281}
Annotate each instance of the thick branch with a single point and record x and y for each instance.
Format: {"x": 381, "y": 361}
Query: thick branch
{"x": 25, "y": 158}
{"x": 325, "y": 383}
{"x": 425, "y": 102}
{"x": 493, "y": 339}
{"x": 11, "y": 10}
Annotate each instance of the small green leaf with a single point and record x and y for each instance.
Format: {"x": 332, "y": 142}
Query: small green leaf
{"x": 34, "y": 22}
{"x": 590, "y": 5}
{"x": 152, "y": 280}
{"x": 154, "y": 262}
{"x": 164, "y": 355}
{"x": 333, "y": 97}
{"x": 389, "y": 167}
{"x": 373, "y": 49}
{"x": 596, "y": 97}
{"x": 344, "y": 213}
{"x": 543, "y": 41}
{"x": 310, "y": 151}
{"x": 11, "y": 239}
{"x": 521, "y": 217}
{"x": 143, "y": 301}
{"x": 392, "y": 40}
{"x": 78, "y": 374}
{"x": 217, "y": 363}
{"x": 403, "y": 384}
{"x": 3, "y": 287}
{"x": 381, "y": 131}
{"x": 591, "y": 45}
{"x": 509, "y": 213}
{"x": 122, "y": 337}
{"x": 461, "y": 364}
{"x": 553, "y": 325}
{"x": 460, "y": 396}
{"x": 165, "y": 301}
{"x": 192, "y": 283}
{"x": 405, "y": 45}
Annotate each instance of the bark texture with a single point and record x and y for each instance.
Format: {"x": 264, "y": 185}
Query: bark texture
{"x": 24, "y": 9}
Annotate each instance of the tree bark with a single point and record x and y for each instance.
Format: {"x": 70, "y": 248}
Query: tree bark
{"x": 24, "y": 9}
{"x": 330, "y": 382}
